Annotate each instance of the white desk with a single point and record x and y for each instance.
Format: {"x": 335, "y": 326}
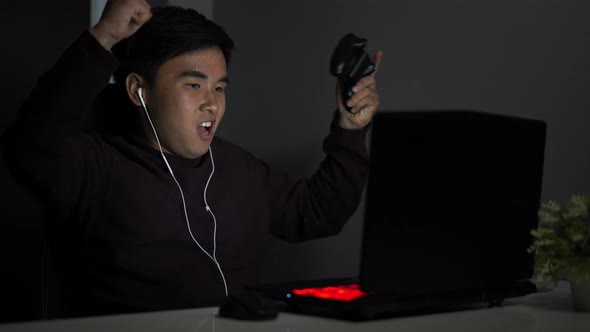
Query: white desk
{"x": 550, "y": 311}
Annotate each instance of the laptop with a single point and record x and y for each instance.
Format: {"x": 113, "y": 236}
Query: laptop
{"x": 451, "y": 199}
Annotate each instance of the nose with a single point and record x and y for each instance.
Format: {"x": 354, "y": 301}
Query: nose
{"x": 210, "y": 103}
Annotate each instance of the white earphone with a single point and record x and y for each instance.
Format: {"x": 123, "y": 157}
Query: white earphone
{"x": 207, "y": 207}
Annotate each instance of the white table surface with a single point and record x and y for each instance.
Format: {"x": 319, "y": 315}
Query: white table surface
{"x": 550, "y": 311}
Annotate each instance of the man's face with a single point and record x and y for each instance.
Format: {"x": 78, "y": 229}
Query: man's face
{"x": 187, "y": 101}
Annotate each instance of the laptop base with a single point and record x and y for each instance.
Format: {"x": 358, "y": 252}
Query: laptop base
{"x": 380, "y": 306}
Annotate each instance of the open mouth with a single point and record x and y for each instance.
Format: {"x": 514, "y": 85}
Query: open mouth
{"x": 206, "y": 125}
{"x": 205, "y": 129}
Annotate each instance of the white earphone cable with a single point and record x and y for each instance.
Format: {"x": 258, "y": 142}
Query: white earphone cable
{"x": 208, "y": 208}
{"x": 213, "y": 258}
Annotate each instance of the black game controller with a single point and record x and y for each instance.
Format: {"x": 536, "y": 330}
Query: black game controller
{"x": 350, "y": 63}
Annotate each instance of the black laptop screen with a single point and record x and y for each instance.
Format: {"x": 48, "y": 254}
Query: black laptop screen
{"x": 451, "y": 199}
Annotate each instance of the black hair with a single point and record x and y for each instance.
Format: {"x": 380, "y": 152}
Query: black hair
{"x": 170, "y": 32}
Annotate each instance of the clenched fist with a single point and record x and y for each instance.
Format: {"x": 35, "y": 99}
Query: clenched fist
{"x": 120, "y": 19}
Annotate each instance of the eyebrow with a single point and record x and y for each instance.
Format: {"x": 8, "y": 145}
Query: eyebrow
{"x": 200, "y": 74}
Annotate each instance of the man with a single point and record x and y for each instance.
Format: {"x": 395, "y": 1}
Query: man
{"x": 165, "y": 215}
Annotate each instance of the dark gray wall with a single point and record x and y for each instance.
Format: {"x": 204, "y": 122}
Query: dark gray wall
{"x": 205, "y": 7}
{"x": 517, "y": 57}
{"x": 33, "y": 34}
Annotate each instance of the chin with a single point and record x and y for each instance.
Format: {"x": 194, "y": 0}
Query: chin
{"x": 197, "y": 153}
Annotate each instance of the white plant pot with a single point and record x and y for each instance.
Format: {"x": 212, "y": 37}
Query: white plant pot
{"x": 581, "y": 295}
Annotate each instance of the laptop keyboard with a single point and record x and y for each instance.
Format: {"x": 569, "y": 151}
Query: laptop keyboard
{"x": 345, "y": 293}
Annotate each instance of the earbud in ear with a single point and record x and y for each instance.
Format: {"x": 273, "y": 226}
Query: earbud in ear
{"x": 140, "y": 95}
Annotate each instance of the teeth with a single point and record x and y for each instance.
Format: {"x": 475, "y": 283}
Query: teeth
{"x": 206, "y": 124}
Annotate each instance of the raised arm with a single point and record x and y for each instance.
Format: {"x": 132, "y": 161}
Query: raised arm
{"x": 319, "y": 206}
{"x": 40, "y": 143}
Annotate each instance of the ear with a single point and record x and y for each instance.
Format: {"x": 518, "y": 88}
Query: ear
{"x": 132, "y": 83}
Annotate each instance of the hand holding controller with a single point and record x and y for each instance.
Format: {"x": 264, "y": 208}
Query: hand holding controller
{"x": 350, "y": 63}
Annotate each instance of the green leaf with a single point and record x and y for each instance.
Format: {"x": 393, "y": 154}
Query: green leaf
{"x": 561, "y": 243}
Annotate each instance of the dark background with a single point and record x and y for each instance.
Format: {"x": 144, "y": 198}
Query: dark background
{"x": 33, "y": 34}
{"x": 520, "y": 57}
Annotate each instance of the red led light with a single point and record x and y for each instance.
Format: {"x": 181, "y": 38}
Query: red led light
{"x": 339, "y": 293}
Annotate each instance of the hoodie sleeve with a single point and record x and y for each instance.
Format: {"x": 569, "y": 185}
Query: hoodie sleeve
{"x": 320, "y": 206}
{"x": 39, "y": 140}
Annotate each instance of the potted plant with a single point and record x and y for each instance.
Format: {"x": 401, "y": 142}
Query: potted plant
{"x": 562, "y": 246}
